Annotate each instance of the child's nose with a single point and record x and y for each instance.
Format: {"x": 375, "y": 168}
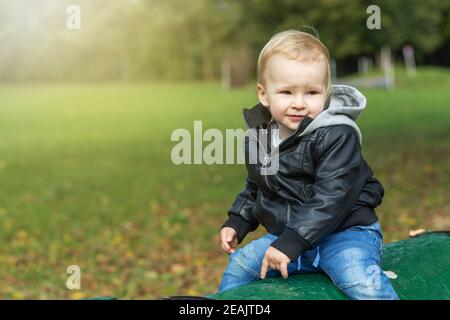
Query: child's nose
{"x": 298, "y": 103}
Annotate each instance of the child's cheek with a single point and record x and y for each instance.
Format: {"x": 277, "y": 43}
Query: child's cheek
{"x": 282, "y": 104}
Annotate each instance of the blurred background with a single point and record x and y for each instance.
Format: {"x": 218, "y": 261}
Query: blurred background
{"x": 87, "y": 111}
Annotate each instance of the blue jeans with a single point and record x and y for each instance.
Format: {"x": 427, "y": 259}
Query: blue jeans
{"x": 351, "y": 258}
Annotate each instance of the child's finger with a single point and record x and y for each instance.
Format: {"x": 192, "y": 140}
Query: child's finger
{"x": 224, "y": 236}
{"x": 225, "y": 244}
{"x": 227, "y": 250}
{"x": 233, "y": 243}
{"x": 265, "y": 265}
{"x": 283, "y": 270}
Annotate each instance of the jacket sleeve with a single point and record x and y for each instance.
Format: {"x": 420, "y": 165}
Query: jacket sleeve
{"x": 372, "y": 193}
{"x": 240, "y": 216}
{"x": 338, "y": 179}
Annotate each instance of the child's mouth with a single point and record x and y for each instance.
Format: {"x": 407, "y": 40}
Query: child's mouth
{"x": 295, "y": 118}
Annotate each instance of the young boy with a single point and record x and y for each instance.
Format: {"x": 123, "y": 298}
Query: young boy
{"x": 318, "y": 207}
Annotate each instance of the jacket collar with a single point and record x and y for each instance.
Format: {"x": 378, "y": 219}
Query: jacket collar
{"x": 256, "y": 116}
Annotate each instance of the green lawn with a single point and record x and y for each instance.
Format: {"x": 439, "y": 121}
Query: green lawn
{"x": 87, "y": 179}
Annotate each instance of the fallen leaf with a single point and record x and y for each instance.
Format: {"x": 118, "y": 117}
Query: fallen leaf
{"x": 413, "y": 233}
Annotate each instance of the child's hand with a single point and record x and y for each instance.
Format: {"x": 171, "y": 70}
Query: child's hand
{"x": 276, "y": 260}
{"x": 229, "y": 239}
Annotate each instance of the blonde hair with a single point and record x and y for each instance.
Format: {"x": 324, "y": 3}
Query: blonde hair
{"x": 296, "y": 45}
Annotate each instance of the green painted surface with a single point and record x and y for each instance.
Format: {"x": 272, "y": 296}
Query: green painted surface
{"x": 422, "y": 265}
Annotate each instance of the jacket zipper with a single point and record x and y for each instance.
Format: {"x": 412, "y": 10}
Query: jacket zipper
{"x": 266, "y": 160}
{"x": 268, "y": 157}
{"x": 264, "y": 164}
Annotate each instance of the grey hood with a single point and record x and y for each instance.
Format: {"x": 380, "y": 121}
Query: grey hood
{"x": 345, "y": 106}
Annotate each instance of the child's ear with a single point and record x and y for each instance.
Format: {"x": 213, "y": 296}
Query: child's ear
{"x": 262, "y": 95}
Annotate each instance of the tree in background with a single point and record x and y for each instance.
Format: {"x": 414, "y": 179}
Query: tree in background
{"x": 190, "y": 40}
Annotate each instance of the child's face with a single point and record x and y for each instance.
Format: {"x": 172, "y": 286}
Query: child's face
{"x": 293, "y": 90}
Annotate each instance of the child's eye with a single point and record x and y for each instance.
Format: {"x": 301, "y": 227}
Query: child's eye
{"x": 313, "y": 92}
{"x": 285, "y": 92}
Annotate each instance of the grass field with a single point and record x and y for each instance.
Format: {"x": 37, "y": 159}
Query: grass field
{"x": 86, "y": 179}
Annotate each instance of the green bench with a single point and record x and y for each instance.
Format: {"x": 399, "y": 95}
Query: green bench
{"x": 422, "y": 266}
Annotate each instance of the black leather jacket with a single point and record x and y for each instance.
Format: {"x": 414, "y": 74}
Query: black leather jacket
{"x": 322, "y": 185}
